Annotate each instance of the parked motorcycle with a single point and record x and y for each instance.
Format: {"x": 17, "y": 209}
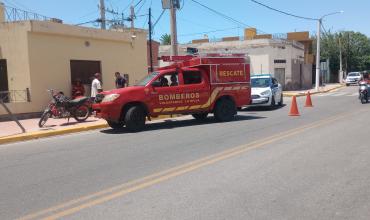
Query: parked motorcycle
{"x": 62, "y": 107}
{"x": 364, "y": 92}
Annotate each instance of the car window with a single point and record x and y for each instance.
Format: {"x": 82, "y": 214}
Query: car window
{"x": 168, "y": 79}
{"x": 353, "y": 74}
{"x": 274, "y": 81}
{"x": 147, "y": 79}
{"x": 192, "y": 77}
{"x": 261, "y": 82}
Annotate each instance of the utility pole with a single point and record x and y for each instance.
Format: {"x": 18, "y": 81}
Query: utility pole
{"x": 132, "y": 16}
{"x": 150, "y": 41}
{"x": 102, "y": 14}
{"x": 340, "y": 60}
{"x": 174, "y": 51}
{"x": 317, "y": 83}
{"x": 348, "y": 54}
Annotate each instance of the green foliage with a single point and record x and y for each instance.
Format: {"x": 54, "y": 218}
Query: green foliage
{"x": 355, "y": 48}
{"x": 165, "y": 39}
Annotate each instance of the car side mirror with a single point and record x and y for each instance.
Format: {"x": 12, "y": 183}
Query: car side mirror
{"x": 156, "y": 84}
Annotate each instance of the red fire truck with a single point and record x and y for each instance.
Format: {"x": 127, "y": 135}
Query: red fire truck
{"x": 196, "y": 85}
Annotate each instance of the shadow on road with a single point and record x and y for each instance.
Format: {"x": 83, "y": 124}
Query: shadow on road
{"x": 171, "y": 123}
{"x": 261, "y": 108}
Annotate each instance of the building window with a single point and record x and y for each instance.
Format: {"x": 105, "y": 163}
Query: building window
{"x": 279, "y": 61}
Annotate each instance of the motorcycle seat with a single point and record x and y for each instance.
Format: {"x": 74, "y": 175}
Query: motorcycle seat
{"x": 78, "y": 101}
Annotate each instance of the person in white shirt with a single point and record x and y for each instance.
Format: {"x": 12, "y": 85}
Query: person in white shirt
{"x": 96, "y": 85}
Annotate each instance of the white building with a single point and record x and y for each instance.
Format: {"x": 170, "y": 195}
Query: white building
{"x": 282, "y": 58}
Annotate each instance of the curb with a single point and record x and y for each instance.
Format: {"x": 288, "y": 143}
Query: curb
{"x": 50, "y": 133}
{"x": 43, "y": 134}
{"x": 312, "y": 93}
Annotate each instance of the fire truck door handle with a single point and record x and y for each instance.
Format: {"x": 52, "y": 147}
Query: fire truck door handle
{"x": 154, "y": 93}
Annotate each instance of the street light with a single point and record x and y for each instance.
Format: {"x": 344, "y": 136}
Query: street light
{"x": 318, "y": 48}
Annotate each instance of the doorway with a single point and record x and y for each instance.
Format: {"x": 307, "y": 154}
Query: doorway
{"x": 84, "y": 70}
{"x": 3, "y": 76}
{"x": 280, "y": 76}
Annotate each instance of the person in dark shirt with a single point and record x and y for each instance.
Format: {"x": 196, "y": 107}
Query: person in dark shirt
{"x": 120, "y": 81}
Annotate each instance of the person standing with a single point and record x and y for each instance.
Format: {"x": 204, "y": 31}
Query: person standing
{"x": 120, "y": 81}
{"x": 96, "y": 85}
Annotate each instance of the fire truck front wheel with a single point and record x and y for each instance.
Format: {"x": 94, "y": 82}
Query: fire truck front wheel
{"x": 115, "y": 125}
{"x": 225, "y": 110}
{"x": 135, "y": 118}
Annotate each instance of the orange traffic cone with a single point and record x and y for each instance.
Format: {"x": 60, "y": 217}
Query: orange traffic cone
{"x": 308, "y": 100}
{"x": 294, "y": 108}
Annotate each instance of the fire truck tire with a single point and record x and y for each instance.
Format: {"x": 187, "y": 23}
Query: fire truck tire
{"x": 200, "y": 116}
{"x": 115, "y": 125}
{"x": 225, "y": 110}
{"x": 135, "y": 118}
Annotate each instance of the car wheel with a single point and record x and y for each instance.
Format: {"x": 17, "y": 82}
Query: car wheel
{"x": 225, "y": 110}
{"x": 200, "y": 116}
{"x": 115, "y": 125}
{"x": 135, "y": 118}
{"x": 281, "y": 100}
{"x": 272, "y": 102}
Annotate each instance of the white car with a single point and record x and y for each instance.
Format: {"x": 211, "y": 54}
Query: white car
{"x": 266, "y": 91}
{"x": 353, "y": 78}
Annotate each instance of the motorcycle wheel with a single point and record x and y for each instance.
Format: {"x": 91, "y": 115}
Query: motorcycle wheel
{"x": 82, "y": 113}
{"x": 44, "y": 117}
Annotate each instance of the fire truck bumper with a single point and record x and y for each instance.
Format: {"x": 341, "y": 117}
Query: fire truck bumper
{"x": 107, "y": 111}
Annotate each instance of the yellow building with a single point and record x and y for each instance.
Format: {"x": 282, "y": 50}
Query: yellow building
{"x": 37, "y": 55}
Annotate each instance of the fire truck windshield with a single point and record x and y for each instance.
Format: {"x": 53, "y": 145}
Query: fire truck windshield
{"x": 147, "y": 79}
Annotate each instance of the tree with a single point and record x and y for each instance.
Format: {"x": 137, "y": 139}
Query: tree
{"x": 355, "y": 48}
{"x": 165, "y": 39}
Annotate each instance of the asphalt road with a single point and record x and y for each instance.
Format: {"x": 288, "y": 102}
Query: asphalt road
{"x": 264, "y": 165}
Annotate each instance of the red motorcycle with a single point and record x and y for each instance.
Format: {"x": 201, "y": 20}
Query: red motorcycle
{"x": 62, "y": 107}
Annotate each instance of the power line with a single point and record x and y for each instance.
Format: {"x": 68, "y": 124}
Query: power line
{"x": 159, "y": 18}
{"x": 283, "y": 12}
{"x": 225, "y": 16}
{"x": 207, "y": 32}
{"x": 137, "y": 12}
{"x": 138, "y": 3}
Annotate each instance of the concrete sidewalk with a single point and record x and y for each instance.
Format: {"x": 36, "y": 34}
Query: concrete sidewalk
{"x": 10, "y": 132}
{"x": 323, "y": 89}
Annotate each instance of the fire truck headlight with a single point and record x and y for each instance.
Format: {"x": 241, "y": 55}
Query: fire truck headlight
{"x": 266, "y": 93}
{"x": 110, "y": 97}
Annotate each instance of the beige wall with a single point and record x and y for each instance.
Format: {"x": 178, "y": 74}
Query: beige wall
{"x": 46, "y": 52}
{"x": 14, "y": 48}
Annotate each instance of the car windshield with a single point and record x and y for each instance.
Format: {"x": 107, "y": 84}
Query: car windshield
{"x": 261, "y": 82}
{"x": 147, "y": 79}
{"x": 353, "y": 74}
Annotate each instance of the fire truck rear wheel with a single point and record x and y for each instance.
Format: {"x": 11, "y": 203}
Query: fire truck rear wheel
{"x": 115, "y": 125}
{"x": 135, "y": 118}
{"x": 200, "y": 116}
{"x": 225, "y": 110}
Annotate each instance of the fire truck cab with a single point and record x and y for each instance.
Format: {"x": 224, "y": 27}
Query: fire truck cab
{"x": 196, "y": 85}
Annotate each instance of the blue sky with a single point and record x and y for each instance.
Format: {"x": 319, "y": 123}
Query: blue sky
{"x": 193, "y": 19}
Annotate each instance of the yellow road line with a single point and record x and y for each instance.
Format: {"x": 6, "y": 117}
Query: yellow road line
{"x": 123, "y": 189}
